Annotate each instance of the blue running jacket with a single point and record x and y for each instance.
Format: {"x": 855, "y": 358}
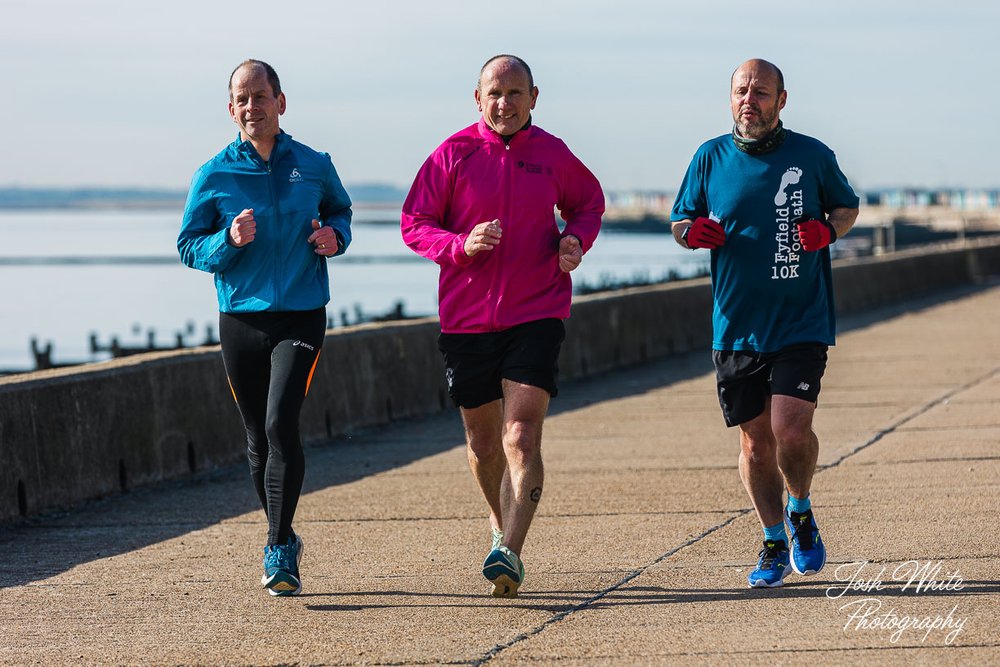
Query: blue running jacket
{"x": 278, "y": 270}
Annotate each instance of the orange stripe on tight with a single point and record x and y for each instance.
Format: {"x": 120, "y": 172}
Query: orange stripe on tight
{"x": 232, "y": 390}
{"x": 311, "y": 371}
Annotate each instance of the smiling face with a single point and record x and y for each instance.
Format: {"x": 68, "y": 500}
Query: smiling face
{"x": 505, "y": 96}
{"x": 254, "y": 106}
{"x": 757, "y": 98}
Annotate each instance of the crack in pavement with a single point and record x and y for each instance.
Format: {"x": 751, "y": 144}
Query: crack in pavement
{"x": 940, "y": 400}
{"x": 500, "y": 648}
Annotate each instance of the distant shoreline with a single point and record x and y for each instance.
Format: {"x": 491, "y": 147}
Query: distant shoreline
{"x": 84, "y": 198}
{"x": 381, "y": 204}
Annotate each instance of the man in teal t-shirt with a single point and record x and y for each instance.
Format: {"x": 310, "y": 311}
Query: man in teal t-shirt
{"x": 768, "y": 202}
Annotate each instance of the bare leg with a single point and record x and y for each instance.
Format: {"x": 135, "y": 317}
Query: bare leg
{"x": 483, "y": 427}
{"x": 759, "y": 468}
{"x": 798, "y": 446}
{"x": 524, "y": 412}
{"x": 798, "y": 450}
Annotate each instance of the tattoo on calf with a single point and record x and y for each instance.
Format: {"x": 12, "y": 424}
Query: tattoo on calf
{"x": 536, "y": 494}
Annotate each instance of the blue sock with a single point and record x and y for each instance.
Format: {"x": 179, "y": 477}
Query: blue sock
{"x": 776, "y": 533}
{"x": 797, "y": 504}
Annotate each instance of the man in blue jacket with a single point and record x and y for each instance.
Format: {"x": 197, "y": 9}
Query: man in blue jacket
{"x": 768, "y": 202}
{"x": 263, "y": 216}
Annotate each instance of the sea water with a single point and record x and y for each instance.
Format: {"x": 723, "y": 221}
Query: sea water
{"x": 67, "y": 275}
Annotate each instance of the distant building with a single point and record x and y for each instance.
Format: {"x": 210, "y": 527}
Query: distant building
{"x": 640, "y": 200}
{"x": 956, "y": 198}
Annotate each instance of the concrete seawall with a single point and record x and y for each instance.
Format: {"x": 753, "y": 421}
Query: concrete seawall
{"x": 74, "y": 434}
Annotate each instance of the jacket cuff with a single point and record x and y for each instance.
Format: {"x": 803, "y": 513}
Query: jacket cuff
{"x": 458, "y": 255}
{"x": 585, "y": 242}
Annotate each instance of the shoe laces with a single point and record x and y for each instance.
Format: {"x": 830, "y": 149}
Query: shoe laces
{"x": 770, "y": 553}
{"x": 802, "y": 524}
{"x": 279, "y": 556}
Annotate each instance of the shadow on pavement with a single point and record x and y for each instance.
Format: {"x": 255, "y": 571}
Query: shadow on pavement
{"x": 50, "y": 544}
{"x": 567, "y": 601}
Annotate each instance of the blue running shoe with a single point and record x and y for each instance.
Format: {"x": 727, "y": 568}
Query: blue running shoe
{"x": 808, "y": 552}
{"x": 281, "y": 568}
{"x": 505, "y": 570}
{"x": 772, "y": 566}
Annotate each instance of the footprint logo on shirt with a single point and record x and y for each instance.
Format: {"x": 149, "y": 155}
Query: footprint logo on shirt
{"x": 790, "y": 177}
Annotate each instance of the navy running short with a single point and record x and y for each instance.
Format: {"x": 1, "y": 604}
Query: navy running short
{"x": 477, "y": 363}
{"x": 745, "y": 379}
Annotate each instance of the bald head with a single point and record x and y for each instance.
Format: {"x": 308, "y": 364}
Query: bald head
{"x": 759, "y": 66}
{"x": 251, "y": 64}
{"x": 505, "y": 61}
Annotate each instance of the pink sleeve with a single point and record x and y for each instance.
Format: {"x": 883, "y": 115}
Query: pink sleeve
{"x": 582, "y": 203}
{"x": 422, "y": 222}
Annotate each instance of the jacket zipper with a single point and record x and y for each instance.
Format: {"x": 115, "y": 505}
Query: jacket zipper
{"x": 277, "y": 231}
{"x": 504, "y": 222}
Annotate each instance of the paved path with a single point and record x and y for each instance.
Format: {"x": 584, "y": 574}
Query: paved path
{"x": 638, "y": 556}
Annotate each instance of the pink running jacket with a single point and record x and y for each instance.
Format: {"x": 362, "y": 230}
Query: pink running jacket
{"x": 474, "y": 177}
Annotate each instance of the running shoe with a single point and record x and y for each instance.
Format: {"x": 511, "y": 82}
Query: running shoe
{"x": 497, "y": 539}
{"x": 506, "y": 572}
{"x": 772, "y": 566}
{"x": 808, "y": 552}
{"x": 281, "y": 568}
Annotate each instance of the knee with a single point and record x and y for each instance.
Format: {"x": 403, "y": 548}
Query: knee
{"x": 257, "y": 456}
{"x": 758, "y": 451}
{"x": 283, "y": 438}
{"x": 522, "y": 440}
{"x": 483, "y": 446}
{"x": 276, "y": 434}
{"x": 793, "y": 435}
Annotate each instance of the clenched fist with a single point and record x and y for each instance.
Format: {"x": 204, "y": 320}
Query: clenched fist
{"x": 324, "y": 238}
{"x": 570, "y": 253}
{"x": 244, "y": 228}
{"x": 483, "y": 236}
{"x": 816, "y": 234}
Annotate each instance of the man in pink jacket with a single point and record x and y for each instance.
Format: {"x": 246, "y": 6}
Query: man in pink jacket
{"x": 483, "y": 208}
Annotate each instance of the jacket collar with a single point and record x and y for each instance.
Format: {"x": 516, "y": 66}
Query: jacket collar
{"x": 281, "y": 144}
{"x": 490, "y": 135}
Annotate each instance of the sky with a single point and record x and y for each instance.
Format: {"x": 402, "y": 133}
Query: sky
{"x": 122, "y": 94}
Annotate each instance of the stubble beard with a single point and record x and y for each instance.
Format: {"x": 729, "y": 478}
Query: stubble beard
{"x": 756, "y": 129}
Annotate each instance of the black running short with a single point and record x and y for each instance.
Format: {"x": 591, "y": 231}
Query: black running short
{"x": 476, "y": 363}
{"x": 745, "y": 380}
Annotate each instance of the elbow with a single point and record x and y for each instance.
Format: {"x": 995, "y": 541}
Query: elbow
{"x": 187, "y": 258}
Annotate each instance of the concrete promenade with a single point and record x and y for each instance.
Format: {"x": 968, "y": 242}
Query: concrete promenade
{"x": 638, "y": 555}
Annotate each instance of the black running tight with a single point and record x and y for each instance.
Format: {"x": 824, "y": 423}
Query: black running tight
{"x": 270, "y": 358}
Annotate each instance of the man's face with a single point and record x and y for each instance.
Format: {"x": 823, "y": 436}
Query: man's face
{"x": 755, "y": 100}
{"x": 253, "y": 104}
{"x": 505, "y": 96}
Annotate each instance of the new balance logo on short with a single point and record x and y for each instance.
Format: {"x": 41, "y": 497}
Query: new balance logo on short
{"x": 803, "y": 386}
{"x": 299, "y": 343}
{"x": 295, "y": 176}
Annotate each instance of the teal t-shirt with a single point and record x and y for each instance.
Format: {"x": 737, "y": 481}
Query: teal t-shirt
{"x": 768, "y": 293}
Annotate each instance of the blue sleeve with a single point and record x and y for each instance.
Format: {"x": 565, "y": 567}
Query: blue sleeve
{"x": 690, "y": 201}
{"x": 203, "y": 239}
{"x": 837, "y": 192}
{"x": 335, "y": 209}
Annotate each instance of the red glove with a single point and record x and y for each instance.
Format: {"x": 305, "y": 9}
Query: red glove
{"x": 816, "y": 234}
{"x": 704, "y": 233}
